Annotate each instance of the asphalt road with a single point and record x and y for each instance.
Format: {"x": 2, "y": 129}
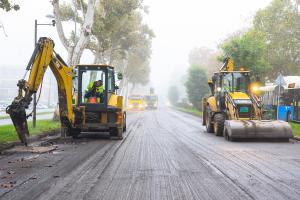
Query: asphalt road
{"x": 166, "y": 154}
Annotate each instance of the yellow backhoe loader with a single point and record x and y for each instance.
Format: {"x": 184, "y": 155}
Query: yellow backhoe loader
{"x": 87, "y": 95}
{"x": 233, "y": 111}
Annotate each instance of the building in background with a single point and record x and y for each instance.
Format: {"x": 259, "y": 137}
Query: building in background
{"x": 9, "y": 77}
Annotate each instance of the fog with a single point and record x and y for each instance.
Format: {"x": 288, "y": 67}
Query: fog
{"x": 178, "y": 25}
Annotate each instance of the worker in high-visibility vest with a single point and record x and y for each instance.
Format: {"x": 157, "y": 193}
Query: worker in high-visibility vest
{"x": 94, "y": 89}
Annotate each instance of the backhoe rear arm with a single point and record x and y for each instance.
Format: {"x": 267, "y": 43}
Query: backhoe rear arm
{"x": 42, "y": 57}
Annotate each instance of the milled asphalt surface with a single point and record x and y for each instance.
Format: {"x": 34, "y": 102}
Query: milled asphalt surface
{"x": 165, "y": 154}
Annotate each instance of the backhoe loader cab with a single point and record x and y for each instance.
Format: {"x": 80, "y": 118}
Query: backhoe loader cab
{"x": 234, "y": 111}
{"x": 98, "y": 107}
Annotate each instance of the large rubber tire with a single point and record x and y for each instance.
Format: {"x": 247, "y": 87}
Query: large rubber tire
{"x": 116, "y": 133}
{"x": 209, "y": 125}
{"x": 75, "y": 133}
{"x": 219, "y": 120}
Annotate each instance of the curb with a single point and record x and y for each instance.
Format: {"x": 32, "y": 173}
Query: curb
{"x": 296, "y": 138}
{"x": 31, "y": 139}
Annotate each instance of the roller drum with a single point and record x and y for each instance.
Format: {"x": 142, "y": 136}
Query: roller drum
{"x": 257, "y": 129}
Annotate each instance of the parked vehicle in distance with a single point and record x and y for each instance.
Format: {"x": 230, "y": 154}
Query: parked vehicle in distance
{"x": 151, "y": 101}
{"x": 136, "y": 102}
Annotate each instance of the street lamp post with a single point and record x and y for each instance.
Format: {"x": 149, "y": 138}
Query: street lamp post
{"x": 35, "y": 41}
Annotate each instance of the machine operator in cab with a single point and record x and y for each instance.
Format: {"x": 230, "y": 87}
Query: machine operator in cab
{"x": 94, "y": 89}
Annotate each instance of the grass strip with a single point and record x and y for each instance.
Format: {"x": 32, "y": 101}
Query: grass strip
{"x": 190, "y": 110}
{"x": 8, "y": 132}
{"x": 295, "y": 128}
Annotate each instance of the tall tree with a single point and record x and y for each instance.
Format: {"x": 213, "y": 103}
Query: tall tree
{"x": 7, "y": 5}
{"x": 196, "y": 85}
{"x": 280, "y": 24}
{"x": 248, "y": 50}
{"x": 63, "y": 12}
{"x": 115, "y": 27}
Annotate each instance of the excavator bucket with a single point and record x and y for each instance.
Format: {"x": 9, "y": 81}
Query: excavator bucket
{"x": 19, "y": 119}
{"x": 257, "y": 129}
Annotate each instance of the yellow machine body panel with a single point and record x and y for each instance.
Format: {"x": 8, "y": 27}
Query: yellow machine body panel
{"x": 211, "y": 101}
{"x": 239, "y": 95}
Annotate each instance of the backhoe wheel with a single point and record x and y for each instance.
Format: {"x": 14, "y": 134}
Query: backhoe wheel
{"x": 116, "y": 133}
{"x": 64, "y": 132}
{"x": 209, "y": 125}
{"x": 219, "y": 120}
{"x": 75, "y": 133}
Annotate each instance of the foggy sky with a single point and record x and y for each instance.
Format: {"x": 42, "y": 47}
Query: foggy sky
{"x": 178, "y": 25}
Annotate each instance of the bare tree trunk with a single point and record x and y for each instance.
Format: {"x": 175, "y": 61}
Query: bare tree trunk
{"x": 85, "y": 33}
{"x": 75, "y": 51}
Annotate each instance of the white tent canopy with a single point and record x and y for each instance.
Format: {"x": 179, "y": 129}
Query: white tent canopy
{"x": 287, "y": 81}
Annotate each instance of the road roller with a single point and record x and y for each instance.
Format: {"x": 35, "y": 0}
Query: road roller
{"x": 233, "y": 109}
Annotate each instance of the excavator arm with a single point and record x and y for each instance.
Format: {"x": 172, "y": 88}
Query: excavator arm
{"x": 43, "y": 57}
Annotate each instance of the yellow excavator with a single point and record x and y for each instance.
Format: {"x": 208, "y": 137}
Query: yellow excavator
{"x": 80, "y": 109}
{"x": 234, "y": 111}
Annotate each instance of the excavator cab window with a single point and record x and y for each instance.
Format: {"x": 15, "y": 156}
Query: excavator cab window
{"x": 235, "y": 82}
{"x": 93, "y": 86}
{"x": 241, "y": 82}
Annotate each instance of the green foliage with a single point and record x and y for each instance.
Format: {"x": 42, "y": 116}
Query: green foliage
{"x": 8, "y": 5}
{"x": 248, "y": 50}
{"x": 196, "y": 85}
{"x": 8, "y": 132}
{"x": 190, "y": 110}
{"x": 280, "y": 24}
{"x": 121, "y": 35}
{"x": 295, "y": 128}
{"x": 173, "y": 95}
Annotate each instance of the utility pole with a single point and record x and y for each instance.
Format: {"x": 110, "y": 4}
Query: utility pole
{"x": 49, "y": 95}
{"x": 34, "y": 95}
{"x": 35, "y": 42}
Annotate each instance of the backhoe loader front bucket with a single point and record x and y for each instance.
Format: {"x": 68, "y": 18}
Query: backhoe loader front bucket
{"x": 257, "y": 129}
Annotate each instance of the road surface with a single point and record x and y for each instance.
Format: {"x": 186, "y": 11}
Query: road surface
{"x": 165, "y": 154}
